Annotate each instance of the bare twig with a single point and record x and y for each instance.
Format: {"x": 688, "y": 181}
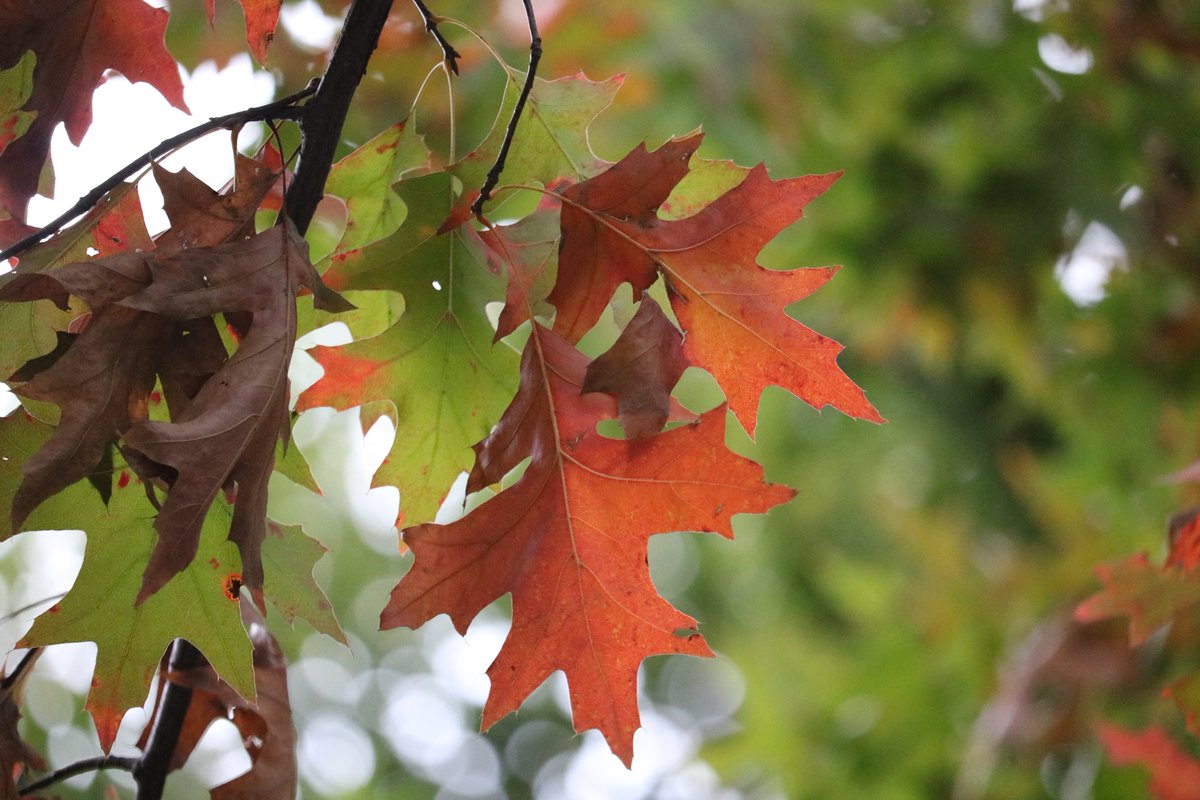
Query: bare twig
{"x": 54, "y": 598}
{"x": 535, "y": 55}
{"x": 431, "y": 20}
{"x": 284, "y": 108}
{"x": 125, "y": 763}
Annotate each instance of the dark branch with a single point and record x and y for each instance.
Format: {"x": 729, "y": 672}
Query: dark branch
{"x": 150, "y": 771}
{"x": 325, "y": 114}
{"x": 284, "y": 108}
{"x": 125, "y": 763}
{"x": 535, "y": 55}
{"x": 25, "y": 663}
{"x": 431, "y": 20}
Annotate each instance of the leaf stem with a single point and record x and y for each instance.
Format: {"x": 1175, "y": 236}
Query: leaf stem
{"x": 284, "y": 108}
{"x": 535, "y": 55}
{"x": 450, "y": 55}
{"x": 150, "y": 771}
{"x": 126, "y": 763}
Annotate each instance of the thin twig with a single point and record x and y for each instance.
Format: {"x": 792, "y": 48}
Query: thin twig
{"x": 284, "y": 108}
{"x": 125, "y": 763}
{"x": 150, "y": 771}
{"x": 535, "y": 55}
{"x": 25, "y": 663}
{"x": 431, "y": 20}
{"x": 54, "y": 598}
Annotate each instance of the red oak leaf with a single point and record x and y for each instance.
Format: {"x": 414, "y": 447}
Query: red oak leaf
{"x": 262, "y": 17}
{"x": 1150, "y": 596}
{"x": 75, "y": 41}
{"x": 641, "y": 369}
{"x": 730, "y": 308}
{"x": 1174, "y": 775}
{"x": 568, "y": 540}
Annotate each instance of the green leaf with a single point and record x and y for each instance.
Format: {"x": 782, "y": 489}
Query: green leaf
{"x": 131, "y": 639}
{"x": 363, "y": 180}
{"x": 289, "y": 556}
{"x": 16, "y": 85}
{"x": 290, "y": 462}
{"x": 20, "y": 437}
{"x": 551, "y": 140}
{"x": 437, "y": 364}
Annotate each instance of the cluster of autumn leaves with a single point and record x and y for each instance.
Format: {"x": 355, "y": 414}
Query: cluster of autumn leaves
{"x": 154, "y": 375}
{"x": 160, "y": 409}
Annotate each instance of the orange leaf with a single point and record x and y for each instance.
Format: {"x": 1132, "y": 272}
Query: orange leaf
{"x": 1174, "y": 774}
{"x": 730, "y": 308}
{"x": 568, "y": 540}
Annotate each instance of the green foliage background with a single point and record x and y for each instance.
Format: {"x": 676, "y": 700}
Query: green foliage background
{"x": 876, "y": 617}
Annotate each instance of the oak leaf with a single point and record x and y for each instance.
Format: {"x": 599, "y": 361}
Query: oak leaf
{"x": 363, "y": 180}
{"x": 1174, "y": 775}
{"x": 551, "y": 140}
{"x": 262, "y": 17}
{"x": 1150, "y": 596}
{"x": 100, "y": 605}
{"x": 201, "y": 217}
{"x": 730, "y": 308}
{"x": 641, "y": 369}
{"x": 16, "y": 85}
{"x": 436, "y": 364}
{"x": 29, "y": 329}
{"x": 75, "y": 42}
{"x": 228, "y": 432}
{"x": 568, "y": 540}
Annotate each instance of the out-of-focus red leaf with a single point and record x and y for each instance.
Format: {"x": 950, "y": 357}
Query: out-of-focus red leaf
{"x": 1174, "y": 774}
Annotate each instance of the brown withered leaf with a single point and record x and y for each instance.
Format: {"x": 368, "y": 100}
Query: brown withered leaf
{"x": 15, "y": 754}
{"x": 265, "y": 725}
{"x": 228, "y": 431}
{"x": 641, "y": 369}
{"x": 201, "y": 217}
{"x": 101, "y": 382}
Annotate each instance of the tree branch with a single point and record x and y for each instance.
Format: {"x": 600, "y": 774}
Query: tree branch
{"x": 535, "y": 55}
{"x": 323, "y": 117}
{"x": 450, "y": 55}
{"x": 321, "y": 120}
{"x": 284, "y": 108}
{"x": 125, "y": 763}
{"x": 151, "y": 769}
{"x": 25, "y": 663}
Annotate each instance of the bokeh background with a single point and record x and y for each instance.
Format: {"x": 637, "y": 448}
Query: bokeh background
{"x": 1018, "y": 222}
